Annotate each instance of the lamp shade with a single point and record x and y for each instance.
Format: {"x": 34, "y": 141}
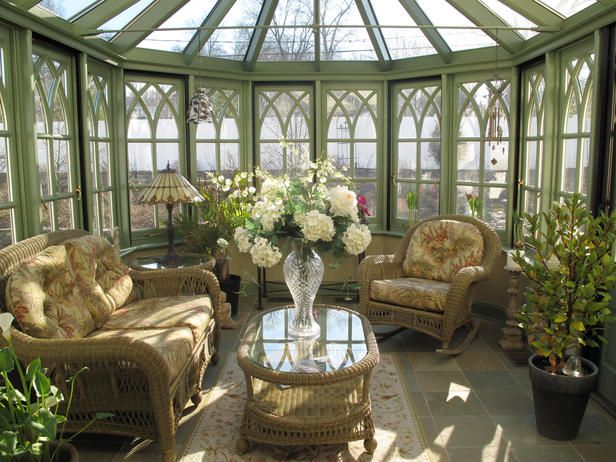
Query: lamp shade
{"x": 169, "y": 187}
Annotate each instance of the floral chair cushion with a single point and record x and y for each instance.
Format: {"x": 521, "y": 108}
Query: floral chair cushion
{"x": 44, "y": 298}
{"x": 102, "y": 278}
{"x": 439, "y": 249}
{"x": 175, "y": 345}
{"x": 193, "y": 312}
{"x": 422, "y": 294}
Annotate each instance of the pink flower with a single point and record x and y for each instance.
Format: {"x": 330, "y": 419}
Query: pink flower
{"x": 361, "y": 205}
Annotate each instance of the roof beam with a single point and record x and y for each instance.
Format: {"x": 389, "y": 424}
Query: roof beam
{"x": 207, "y": 28}
{"x": 421, "y": 19}
{"x": 534, "y": 11}
{"x": 481, "y": 15}
{"x": 258, "y": 36}
{"x": 101, "y": 13}
{"x": 375, "y": 33}
{"x": 25, "y": 4}
{"x": 153, "y": 16}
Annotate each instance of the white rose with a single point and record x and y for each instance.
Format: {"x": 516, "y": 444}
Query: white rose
{"x": 317, "y": 226}
{"x": 343, "y": 203}
{"x": 356, "y": 239}
{"x": 264, "y": 253}
{"x": 243, "y": 239}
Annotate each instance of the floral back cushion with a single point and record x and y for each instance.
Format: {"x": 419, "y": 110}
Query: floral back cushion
{"x": 102, "y": 277}
{"x": 439, "y": 249}
{"x": 44, "y": 298}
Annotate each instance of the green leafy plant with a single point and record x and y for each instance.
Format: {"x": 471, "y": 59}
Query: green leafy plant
{"x": 572, "y": 271}
{"x": 30, "y": 412}
{"x": 210, "y": 228}
{"x": 475, "y": 204}
{"x": 412, "y": 204}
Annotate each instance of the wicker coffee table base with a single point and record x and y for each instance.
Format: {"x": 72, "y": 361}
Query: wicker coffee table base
{"x": 281, "y": 431}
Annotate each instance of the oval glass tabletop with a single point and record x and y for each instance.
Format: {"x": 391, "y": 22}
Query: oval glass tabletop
{"x": 341, "y": 343}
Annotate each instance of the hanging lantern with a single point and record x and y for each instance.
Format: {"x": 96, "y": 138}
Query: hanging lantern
{"x": 199, "y": 107}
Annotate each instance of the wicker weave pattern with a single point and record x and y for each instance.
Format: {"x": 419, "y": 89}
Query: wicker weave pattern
{"x": 126, "y": 377}
{"x": 459, "y": 298}
{"x": 307, "y": 408}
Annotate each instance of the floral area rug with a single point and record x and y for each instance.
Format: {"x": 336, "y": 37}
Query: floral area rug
{"x": 398, "y": 433}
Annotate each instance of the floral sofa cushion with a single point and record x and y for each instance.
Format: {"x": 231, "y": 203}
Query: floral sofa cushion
{"x": 44, "y": 298}
{"x": 412, "y": 292}
{"x": 175, "y": 345}
{"x": 439, "y": 249}
{"x": 193, "y": 312}
{"x": 103, "y": 279}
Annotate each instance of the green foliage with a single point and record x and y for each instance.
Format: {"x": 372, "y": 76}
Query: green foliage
{"x": 475, "y": 204}
{"x": 572, "y": 268}
{"x": 30, "y": 413}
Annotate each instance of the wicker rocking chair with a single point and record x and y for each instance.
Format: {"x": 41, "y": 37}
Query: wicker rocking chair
{"x": 427, "y": 285}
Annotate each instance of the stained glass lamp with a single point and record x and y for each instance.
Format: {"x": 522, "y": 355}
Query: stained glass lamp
{"x": 169, "y": 187}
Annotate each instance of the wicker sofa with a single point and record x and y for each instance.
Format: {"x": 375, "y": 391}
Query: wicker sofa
{"x": 145, "y": 337}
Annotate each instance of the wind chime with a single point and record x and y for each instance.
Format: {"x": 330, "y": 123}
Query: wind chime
{"x": 200, "y": 106}
{"x": 495, "y": 94}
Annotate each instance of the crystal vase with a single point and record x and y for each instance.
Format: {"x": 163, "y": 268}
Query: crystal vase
{"x": 303, "y": 273}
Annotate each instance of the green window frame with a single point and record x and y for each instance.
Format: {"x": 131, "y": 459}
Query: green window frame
{"x": 576, "y": 75}
{"x": 416, "y": 149}
{"x": 218, "y": 141}
{"x": 156, "y": 127}
{"x": 532, "y": 142}
{"x": 482, "y": 162}
{"x": 284, "y": 127}
{"x": 10, "y": 218}
{"x": 353, "y": 136}
{"x": 101, "y": 150}
{"x": 55, "y": 122}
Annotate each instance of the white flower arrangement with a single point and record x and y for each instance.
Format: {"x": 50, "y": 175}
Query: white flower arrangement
{"x": 326, "y": 217}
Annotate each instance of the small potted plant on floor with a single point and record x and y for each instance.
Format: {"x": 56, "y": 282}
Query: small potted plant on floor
{"x": 31, "y": 417}
{"x": 571, "y": 267}
{"x": 210, "y": 228}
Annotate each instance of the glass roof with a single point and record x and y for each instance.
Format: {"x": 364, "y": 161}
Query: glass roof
{"x": 290, "y": 30}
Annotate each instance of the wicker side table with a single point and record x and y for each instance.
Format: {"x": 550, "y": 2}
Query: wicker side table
{"x": 308, "y": 392}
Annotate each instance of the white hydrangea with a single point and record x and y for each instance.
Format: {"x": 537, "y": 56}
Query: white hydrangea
{"x": 356, "y": 239}
{"x": 271, "y": 187}
{"x": 264, "y": 253}
{"x": 268, "y": 213}
{"x": 316, "y": 225}
{"x": 243, "y": 239}
{"x": 343, "y": 203}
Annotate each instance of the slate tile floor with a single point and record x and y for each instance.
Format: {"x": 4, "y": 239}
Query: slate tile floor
{"x": 473, "y": 407}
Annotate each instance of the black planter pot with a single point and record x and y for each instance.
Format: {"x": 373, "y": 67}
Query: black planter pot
{"x": 560, "y": 400}
{"x": 232, "y": 289}
{"x": 66, "y": 453}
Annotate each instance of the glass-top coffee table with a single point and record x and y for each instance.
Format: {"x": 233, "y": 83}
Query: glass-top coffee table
{"x": 308, "y": 391}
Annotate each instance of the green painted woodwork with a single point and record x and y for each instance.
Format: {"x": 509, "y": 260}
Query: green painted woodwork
{"x": 101, "y": 13}
{"x": 156, "y": 127}
{"x": 432, "y": 35}
{"x": 532, "y": 138}
{"x": 416, "y": 149}
{"x": 375, "y": 34}
{"x": 258, "y": 37}
{"x": 535, "y": 11}
{"x": 58, "y": 164}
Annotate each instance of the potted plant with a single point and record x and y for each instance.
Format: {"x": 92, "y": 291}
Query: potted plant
{"x": 571, "y": 266}
{"x": 32, "y": 419}
{"x": 210, "y": 228}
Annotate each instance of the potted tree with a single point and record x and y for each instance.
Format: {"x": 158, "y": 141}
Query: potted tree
{"x": 571, "y": 266}
{"x": 209, "y": 230}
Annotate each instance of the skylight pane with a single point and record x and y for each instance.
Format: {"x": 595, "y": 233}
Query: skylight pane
{"x": 442, "y": 14}
{"x": 568, "y": 7}
{"x": 343, "y": 43}
{"x": 66, "y": 9}
{"x": 402, "y": 43}
{"x": 122, "y": 19}
{"x": 290, "y": 44}
{"x": 191, "y": 15}
{"x": 513, "y": 18}
{"x": 233, "y": 43}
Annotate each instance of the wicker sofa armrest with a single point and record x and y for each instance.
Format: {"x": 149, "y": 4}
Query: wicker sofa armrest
{"x": 375, "y": 267}
{"x": 91, "y": 351}
{"x": 180, "y": 281}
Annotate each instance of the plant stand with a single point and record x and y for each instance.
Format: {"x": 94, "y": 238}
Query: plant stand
{"x": 512, "y": 334}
